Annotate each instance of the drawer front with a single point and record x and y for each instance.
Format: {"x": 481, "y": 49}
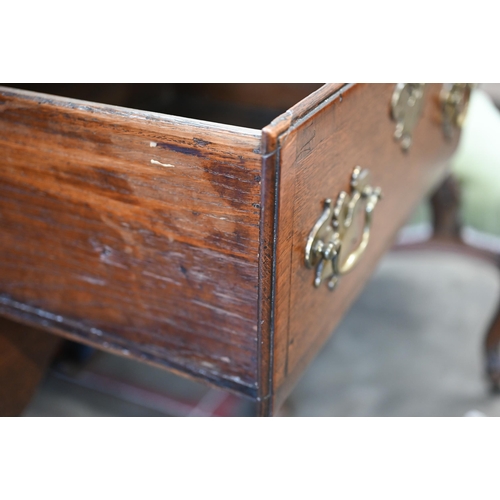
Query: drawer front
{"x": 317, "y": 156}
{"x": 132, "y": 231}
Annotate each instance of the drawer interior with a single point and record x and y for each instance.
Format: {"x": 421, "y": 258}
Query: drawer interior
{"x": 243, "y": 104}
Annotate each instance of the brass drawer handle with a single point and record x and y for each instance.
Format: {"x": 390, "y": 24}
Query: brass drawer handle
{"x": 330, "y": 243}
{"x": 454, "y": 103}
{"x": 407, "y": 103}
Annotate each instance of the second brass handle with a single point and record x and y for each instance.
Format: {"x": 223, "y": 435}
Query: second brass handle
{"x": 455, "y": 99}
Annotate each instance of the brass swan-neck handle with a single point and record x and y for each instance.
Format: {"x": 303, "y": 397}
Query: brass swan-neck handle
{"x": 333, "y": 245}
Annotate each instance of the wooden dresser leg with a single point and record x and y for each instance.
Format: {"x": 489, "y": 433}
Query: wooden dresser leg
{"x": 25, "y": 353}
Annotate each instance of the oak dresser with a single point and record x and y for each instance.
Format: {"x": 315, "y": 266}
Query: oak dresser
{"x": 218, "y": 231}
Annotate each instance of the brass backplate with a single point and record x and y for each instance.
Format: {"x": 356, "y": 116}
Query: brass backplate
{"x": 340, "y": 235}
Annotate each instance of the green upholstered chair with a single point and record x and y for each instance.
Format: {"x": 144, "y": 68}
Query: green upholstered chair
{"x": 465, "y": 211}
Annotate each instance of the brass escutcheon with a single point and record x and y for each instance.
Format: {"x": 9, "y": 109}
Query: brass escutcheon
{"x": 406, "y": 107}
{"x": 454, "y": 103}
{"x": 334, "y": 245}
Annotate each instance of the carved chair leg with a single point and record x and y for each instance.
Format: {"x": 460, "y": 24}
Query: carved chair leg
{"x": 445, "y": 208}
{"x": 25, "y": 353}
{"x": 445, "y": 204}
{"x": 492, "y": 350}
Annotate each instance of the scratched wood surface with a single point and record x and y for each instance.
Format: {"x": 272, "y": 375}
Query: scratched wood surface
{"x": 132, "y": 231}
{"x": 317, "y": 155}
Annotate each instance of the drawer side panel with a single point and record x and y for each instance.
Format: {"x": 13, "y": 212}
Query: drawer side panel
{"x": 317, "y": 157}
{"x": 132, "y": 231}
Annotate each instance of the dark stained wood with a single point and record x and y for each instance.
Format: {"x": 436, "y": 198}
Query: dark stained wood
{"x": 246, "y": 104}
{"x": 317, "y": 156}
{"x": 133, "y": 231}
{"x": 277, "y": 97}
{"x": 25, "y": 353}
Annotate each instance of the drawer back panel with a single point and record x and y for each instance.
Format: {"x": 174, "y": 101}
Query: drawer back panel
{"x": 133, "y": 231}
{"x": 251, "y": 105}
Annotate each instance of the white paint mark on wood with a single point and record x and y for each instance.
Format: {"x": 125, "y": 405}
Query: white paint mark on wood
{"x": 107, "y": 257}
{"x": 168, "y": 165}
{"x": 93, "y": 281}
{"x": 162, "y": 278}
{"x": 219, "y": 310}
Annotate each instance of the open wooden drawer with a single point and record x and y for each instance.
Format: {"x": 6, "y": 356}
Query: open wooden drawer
{"x": 183, "y": 242}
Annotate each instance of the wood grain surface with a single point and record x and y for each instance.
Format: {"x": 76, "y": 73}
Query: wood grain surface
{"x": 132, "y": 231}
{"x": 317, "y": 155}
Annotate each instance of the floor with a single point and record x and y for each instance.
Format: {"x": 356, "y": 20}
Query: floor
{"x": 410, "y": 346}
